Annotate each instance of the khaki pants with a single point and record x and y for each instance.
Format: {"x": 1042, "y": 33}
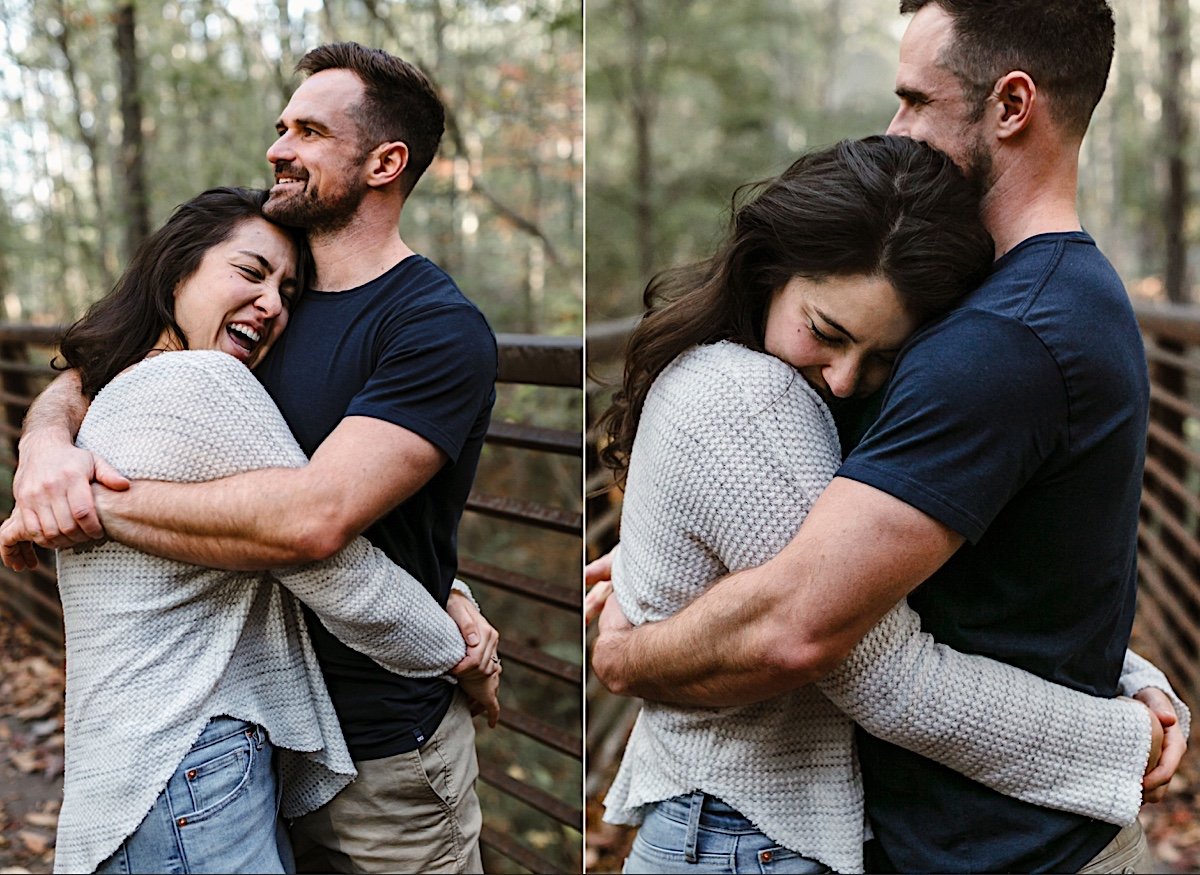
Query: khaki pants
{"x": 414, "y": 812}
{"x": 1128, "y": 853}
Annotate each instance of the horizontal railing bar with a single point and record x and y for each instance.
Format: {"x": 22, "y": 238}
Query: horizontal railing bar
{"x": 521, "y": 584}
{"x": 1162, "y": 557}
{"x": 534, "y": 437}
{"x": 1172, "y": 442}
{"x": 606, "y": 340}
{"x": 1165, "y": 518}
{"x": 11, "y": 367}
{"x": 540, "y": 360}
{"x": 1178, "y": 322}
{"x": 1168, "y": 399}
{"x": 518, "y": 510}
{"x": 1168, "y": 481}
{"x": 539, "y": 730}
{"x": 509, "y": 847}
{"x": 1156, "y": 355}
{"x": 1163, "y": 593}
{"x": 534, "y": 797}
{"x": 25, "y": 332}
{"x": 541, "y": 661}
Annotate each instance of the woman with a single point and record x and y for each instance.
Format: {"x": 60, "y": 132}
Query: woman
{"x": 723, "y": 436}
{"x": 183, "y": 683}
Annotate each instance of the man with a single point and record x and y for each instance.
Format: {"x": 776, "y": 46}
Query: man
{"x": 1004, "y": 470}
{"x": 386, "y": 377}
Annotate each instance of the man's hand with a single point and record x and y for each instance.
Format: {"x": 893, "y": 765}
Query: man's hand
{"x": 611, "y": 629}
{"x": 53, "y": 493}
{"x": 478, "y": 672}
{"x": 1167, "y": 734}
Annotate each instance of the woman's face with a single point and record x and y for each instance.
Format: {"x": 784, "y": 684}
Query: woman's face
{"x": 237, "y": 300}
{"x": 841, "y": 333}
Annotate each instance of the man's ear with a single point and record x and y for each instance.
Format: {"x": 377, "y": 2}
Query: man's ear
{"x": 1016, "y": 96}
{"x": 386, "y": 162}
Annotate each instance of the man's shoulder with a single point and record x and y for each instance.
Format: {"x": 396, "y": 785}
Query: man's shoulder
{"x": 419, "y": 294}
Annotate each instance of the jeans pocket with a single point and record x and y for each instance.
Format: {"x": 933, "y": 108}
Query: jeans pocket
{"x": 784, "y": 861}
{"x": 217, "y": 781}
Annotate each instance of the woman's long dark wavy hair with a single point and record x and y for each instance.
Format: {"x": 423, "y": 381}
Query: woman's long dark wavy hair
{"x": 882, "y": 206}
{"x": 124, "y": 325}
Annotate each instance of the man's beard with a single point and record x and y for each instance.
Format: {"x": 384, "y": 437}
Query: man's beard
{"x": 977, "y": 165}
{"x": 317, "y": 215}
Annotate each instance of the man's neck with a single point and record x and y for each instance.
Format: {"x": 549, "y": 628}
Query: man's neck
{"x": 1021, "y": 204}
{"x": 364, "y": 250}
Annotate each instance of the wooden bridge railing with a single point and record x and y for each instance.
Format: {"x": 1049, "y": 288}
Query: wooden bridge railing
{"x": 531, "y": 766}
{"x": 1167, "y": 629}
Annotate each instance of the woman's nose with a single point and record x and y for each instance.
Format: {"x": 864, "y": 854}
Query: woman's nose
{"x": 841, "y": 377}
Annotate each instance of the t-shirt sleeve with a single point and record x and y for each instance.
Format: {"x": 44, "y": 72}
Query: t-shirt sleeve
{"x": 976, "y": 405}
{"x": 434, "y": 373}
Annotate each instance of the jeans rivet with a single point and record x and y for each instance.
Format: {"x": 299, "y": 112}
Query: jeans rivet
{"x": 191, "y": 775}
{"x": 182, "y": 821}
{"x": 765, "y": 856}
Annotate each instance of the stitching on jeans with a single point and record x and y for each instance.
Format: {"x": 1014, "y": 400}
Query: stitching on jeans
{"x": 183, "y": 860}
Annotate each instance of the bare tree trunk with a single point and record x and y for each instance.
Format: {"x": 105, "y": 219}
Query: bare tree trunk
{"x": 87, "y": 134}
{"x": 641, "y": 107}
{"x": 133, "y": 192}
{"x": 1176, "y": 131}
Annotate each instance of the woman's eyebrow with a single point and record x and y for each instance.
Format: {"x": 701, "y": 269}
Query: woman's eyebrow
{"x": 836, "y": 325}
{"x": 261, "y": 260}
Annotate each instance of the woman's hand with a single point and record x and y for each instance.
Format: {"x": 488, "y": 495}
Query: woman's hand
{"x": 598, "y": 576}
{"x": 1171, "y": 741}
{"x": 478, "y": 672}
{"x": 16, "y": 544}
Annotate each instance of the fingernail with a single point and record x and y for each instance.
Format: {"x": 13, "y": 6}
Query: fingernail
{"x": 472, "y": 639}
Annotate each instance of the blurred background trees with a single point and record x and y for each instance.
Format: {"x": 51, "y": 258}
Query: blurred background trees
{"x": 687, "y": 99}
{"x": 111, "y": 113}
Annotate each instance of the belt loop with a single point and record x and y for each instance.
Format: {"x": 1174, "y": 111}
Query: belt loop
{"x": 690, "y": 846}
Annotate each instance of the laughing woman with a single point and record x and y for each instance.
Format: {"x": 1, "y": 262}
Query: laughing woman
{"x": 190, "y": 689}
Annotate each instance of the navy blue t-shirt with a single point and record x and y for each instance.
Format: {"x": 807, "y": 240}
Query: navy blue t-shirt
{"x": 410, "y": 349}
{"x": 1019, "y": 421}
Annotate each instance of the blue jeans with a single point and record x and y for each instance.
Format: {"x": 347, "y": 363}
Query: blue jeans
{"x": 701, "y": 834}
{"x": 218, "y": 813}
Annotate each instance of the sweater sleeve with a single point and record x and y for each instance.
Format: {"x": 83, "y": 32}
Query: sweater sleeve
{"x": 202, "y": 415}
{"x": 1015, "y": 732}
{"x": 1138, "y": 673}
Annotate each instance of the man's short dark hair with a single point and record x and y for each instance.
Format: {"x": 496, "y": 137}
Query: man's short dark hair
{"x": 1066, "y": 46}
{"x": 399, "y": 102}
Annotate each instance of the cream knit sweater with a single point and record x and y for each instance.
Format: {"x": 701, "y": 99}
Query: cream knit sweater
{"x": 732, "y": 449}
{"x": 156, "y": 647}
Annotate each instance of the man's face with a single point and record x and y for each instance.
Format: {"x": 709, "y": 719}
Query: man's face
{"x": 933, "y": 106}
{"x": 319, "y": 172}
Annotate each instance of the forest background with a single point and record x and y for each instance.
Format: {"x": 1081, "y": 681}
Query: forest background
{"x": 114, "y": 112}
{"x": 689, "y": 99}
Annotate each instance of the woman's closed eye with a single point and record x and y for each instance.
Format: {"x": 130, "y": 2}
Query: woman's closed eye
{"x": 822, "y": 336}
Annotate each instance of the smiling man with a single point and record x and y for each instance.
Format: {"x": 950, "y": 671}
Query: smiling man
{"x": 386, "y": 377}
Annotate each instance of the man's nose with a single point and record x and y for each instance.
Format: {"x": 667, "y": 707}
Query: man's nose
{"x": 280, "y": 150}
{"x": 899, "y": 124}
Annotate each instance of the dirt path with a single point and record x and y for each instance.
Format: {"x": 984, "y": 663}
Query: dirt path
{"x": 31, "y": 743}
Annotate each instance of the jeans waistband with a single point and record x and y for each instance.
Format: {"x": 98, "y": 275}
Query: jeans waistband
{"x": 222, "y": 727}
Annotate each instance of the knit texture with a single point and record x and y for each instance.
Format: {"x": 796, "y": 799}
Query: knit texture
{"x": 732, "y": 449}
{"x": 155, "y": 647}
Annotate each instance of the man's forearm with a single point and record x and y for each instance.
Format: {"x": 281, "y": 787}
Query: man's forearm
{"x": 729, "y": 647}
{"x": 57, "y": 412}
{"x": 770, "y": 629}
{"x": 253, "y": 521}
